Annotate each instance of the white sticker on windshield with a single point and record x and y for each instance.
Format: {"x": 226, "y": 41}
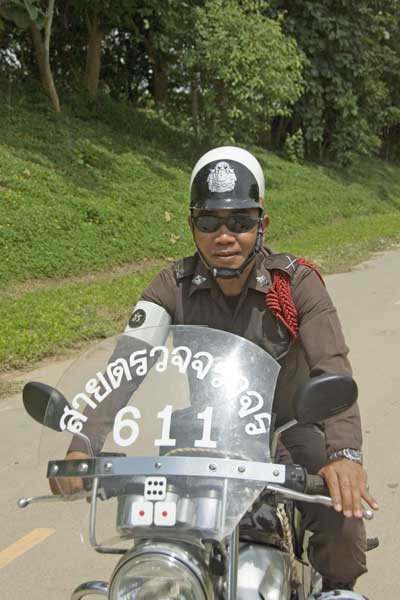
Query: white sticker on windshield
{"x": 149, "y": 323}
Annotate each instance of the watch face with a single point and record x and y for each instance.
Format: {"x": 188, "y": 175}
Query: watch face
{"x": 352, "y": 454}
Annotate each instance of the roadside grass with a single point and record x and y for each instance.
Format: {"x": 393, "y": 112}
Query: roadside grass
{"x": 56, "y": 317}
{"x": 10, "y": 388}
{"x": 336, "y": 247}
{"x": 48, "y": 321}
{"x": 91, "y": 198}
{"x": 102, "y": 184}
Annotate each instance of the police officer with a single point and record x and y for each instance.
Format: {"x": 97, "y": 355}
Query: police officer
{"x": 279, "y": 302}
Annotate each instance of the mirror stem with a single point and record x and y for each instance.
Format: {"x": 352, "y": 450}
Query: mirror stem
{"x": 233, "y": 564}
{"x": 88, "y": 445}
{"x": 277, "y": 435}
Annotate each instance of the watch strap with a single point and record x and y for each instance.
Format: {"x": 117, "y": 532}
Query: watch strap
{"x": 349, "y": 453}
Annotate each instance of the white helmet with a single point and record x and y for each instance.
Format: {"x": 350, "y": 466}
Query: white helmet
{"x": 227, "y": 177}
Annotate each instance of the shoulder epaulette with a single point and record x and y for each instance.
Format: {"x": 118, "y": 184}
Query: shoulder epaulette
{"x": 285, "y": 263}
{"x": 279, "y": 299}
{"x": 184, "y": 267}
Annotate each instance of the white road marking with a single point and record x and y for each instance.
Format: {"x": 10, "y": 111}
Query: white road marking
{"x": 4, "y": 408}
{"x": 36, "y": 536}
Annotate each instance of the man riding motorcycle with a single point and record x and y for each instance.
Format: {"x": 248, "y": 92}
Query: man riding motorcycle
{"x": 279, "y": 302}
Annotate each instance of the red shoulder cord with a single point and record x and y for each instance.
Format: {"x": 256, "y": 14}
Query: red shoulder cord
{"x": 279, "y": 299}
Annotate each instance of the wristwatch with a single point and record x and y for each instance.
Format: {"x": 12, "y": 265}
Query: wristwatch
{"x": 349, "y": 453}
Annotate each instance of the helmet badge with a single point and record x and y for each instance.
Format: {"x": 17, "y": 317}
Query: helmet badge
{"x": 222, "y": 178}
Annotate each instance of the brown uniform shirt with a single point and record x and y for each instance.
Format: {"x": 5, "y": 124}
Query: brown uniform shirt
{"x": 190, "y": 296}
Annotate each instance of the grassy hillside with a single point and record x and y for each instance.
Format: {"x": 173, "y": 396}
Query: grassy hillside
{"x": 87, "y": 194}
{"x": 106, "y": 186}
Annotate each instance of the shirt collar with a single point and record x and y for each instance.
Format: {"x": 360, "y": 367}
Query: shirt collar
{"x": 259, "y": 279}
{"x": 200, "y": 277}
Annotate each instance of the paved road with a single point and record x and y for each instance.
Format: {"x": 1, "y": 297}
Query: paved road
{"x": 368, "y": 300}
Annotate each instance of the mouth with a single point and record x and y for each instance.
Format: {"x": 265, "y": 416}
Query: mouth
{"x": 225, "y": 256}
{"x": 225, "y": 253}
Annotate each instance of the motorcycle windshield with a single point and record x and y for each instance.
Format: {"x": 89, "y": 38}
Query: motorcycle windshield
{"x": 178, "y": 391}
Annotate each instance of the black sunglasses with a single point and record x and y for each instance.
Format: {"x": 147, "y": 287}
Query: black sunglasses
{"x": 236, "y": 223}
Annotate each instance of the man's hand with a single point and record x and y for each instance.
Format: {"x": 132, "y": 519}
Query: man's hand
{"x": 72, "y": 485}
{"x": 348, "y": 484}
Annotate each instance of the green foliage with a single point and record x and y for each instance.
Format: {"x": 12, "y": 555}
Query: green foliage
{"x": 294, "y": 147}
{"x": 76, "y": 194}
{"x": 248, "y": 70}
{"x": 89, "y": 193}
{"x": 23, "y": 12}
{"x": 50, "y": 320}
{"x": 346, "y": 47}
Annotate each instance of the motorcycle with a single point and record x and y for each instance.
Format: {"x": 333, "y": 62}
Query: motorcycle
{"x": 178, "y": 427}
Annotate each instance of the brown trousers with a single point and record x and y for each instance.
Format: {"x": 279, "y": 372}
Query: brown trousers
{"x": 337, "y": 545}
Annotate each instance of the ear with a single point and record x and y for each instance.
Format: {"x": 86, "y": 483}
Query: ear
{"x": 265, "y": 223}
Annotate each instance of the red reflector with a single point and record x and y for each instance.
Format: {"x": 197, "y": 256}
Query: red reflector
{"x": 164, "y": 513}
{"x": 141, "y": 513}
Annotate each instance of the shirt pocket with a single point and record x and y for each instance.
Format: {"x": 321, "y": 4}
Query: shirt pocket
{"x": 271, "y": 335}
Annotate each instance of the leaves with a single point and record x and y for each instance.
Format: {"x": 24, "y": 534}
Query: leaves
{"x": 347, "y": 49}
{"x": 249, "y": 71}
{"x": 225, "y": 70}
{"x": 23, "y": 12}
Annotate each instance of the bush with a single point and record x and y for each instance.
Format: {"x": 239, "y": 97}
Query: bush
{"x": 294, "y": 147}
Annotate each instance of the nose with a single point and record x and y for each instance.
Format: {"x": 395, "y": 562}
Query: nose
{"x": 224, "y": 236}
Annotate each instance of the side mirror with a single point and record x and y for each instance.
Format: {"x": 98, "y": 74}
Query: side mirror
{"x": 44, "y": 403}
{"x": 322, "y": 397}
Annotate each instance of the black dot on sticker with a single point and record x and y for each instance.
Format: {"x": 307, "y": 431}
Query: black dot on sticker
{"x": 156, "y": 483}
{"x": 150, "y": 483}
{"x": 137, "y": 319}
{"x": 160, "y": 493}
{"x": 154, "y": 492}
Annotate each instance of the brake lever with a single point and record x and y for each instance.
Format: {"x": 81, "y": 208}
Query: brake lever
{"x": 24, "y": 502}
{"x": 368, "y": 514}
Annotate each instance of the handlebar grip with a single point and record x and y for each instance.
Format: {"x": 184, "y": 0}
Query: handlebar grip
{"x": 315, "y": 484}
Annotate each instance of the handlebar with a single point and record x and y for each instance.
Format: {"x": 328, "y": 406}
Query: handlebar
{"x": 304, "y": 487}
{"x": 298, "y": 485}
{"x": 298, "y": 479}
{"x": 315, "y": 484}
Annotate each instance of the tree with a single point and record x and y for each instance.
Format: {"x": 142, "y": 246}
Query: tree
{"x": 345, "y": 49}
{"x": 243, "y": 71}
{"x": 31, "y": 14}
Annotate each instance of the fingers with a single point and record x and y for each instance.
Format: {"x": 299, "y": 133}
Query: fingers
{"x": 66, "y": 487}
{"x": 332, "y": 482}
{"x": 72, "y": 485}
{"x": 350, "y": 497}
{"x": 370, "y": 500}
{"x": 347, "y": 483}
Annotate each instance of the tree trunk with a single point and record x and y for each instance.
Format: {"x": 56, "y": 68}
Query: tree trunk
{"x": 43, "y": 62}
{"x": 93, "y": 55}
{"x": 281, "y": 131}
{"x": 160, "y": 81}
{"x": 194, "y": 93}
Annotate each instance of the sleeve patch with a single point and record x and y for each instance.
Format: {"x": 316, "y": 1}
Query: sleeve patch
{"x": 137, "y": 319}
{"x": 149, "y": 322}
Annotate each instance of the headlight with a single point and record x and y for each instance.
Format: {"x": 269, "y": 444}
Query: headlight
{"x": 157, "y": 574}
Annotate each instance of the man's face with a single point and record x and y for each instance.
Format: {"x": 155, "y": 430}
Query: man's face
{"x": 225, "y": 248}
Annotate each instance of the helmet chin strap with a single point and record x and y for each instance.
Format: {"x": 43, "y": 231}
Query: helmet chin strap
{"x": 227, "y": 272}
